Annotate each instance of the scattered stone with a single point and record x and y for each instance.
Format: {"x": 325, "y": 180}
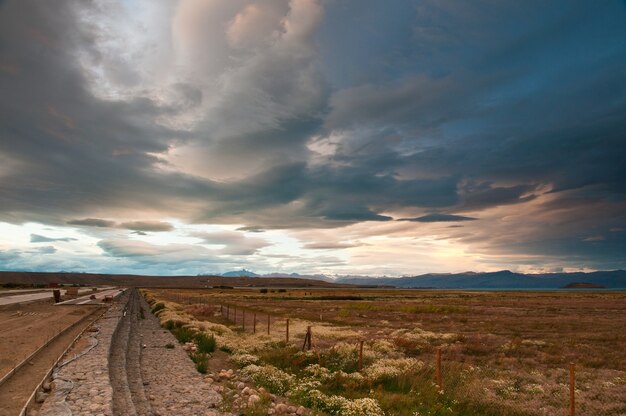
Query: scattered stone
{"x": 40, "y": 397}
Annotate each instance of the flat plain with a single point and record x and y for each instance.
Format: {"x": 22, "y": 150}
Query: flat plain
{"x": 503, "y": 353}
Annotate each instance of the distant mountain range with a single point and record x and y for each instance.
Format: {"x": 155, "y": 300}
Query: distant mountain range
{"x": 248, "y": 273}
{"x": 503, "y": 279}
{"x": 238, "y": 273}
{"x": 244, "y": 278}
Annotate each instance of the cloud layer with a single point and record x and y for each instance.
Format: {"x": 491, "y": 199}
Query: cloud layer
{"x": 475, "y": 135}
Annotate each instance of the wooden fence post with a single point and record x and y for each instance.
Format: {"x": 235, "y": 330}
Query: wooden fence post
{"x": 243, "y": 319}
{"x": 268, "y": 324}
{"x": 439, "y": 382}
{"x": 228, "y": 312}
{"x": 287, "y": 332}
{"x": 361, "y": 355}
{"x": 235, "y": 312}
{"x": 254, "y": 323}
{"x": 307, "y": 339}
{"x": 572, "y": 389}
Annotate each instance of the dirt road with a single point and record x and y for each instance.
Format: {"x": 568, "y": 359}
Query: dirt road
{"x": 15, "y": 392}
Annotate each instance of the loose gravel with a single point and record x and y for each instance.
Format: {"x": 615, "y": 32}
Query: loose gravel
{"x": 173, "y": 385}
{"x": 129, "y": 371}
{"x": 82, "y": 386}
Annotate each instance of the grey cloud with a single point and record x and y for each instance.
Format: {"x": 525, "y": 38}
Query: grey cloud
{"x": 46, "y": 250}
{"x": 251, "y": 229}
{"x": 148, "y": 253}
{"x": 439, "y": 218}
{"x": 236, "y": 243}
{"x": 155, "y": 226}
{"x": 36, "y": 238}
{"x": 486, "y": 195}
{"x": 92, "y": 222}
{"x": 77, "y": 152}
{"x": 465, "y": 114}
{"x": 139, "y": 226}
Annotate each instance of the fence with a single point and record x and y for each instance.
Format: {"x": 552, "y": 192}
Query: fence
{"x": 442, "y": 374}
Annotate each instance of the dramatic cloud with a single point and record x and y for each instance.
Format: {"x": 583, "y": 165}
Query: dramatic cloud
{"x": 439, "y": 218}
{"x": 235, "y": 243}
{"x": 36, "y": 238}
{"x": 155, "y": 226}
{"x": 92, "y": 222}
{"x": 160, "y": 132}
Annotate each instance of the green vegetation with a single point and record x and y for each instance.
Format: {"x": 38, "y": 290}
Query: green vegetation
{"x": 204, "y": 342}
{"x": 156, "y": 308}
{"x": 202, "y": 361}
{"x": 184, "y": 334}
{"x": 408, "y": 391}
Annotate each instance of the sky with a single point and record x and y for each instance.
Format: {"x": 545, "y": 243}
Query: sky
{"x": 344, "y": 137}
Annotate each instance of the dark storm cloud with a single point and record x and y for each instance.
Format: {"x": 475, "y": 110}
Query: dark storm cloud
{"x": 439, "y": 106}
{"x": 155, "y": 226}
{"x": 439, "y": 218}
{"x": 137, "y": 226}
{"x": 72, "y": 151}
{"x": 92, "y": 222}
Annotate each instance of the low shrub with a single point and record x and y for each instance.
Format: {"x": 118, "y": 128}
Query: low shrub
{"x": 184, "y": 334}
{"x": 158, "y": 307}
{"x": 204, "y": 342}
{"x": 171, "y": 325}
{"x": 273, "y": 379}
{"x": 202, "y": 362}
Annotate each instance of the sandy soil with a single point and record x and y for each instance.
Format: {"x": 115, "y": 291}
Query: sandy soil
{"x": 25, "y": 327}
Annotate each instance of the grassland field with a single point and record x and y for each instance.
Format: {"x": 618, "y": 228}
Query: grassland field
{"x": 503, "y": 353}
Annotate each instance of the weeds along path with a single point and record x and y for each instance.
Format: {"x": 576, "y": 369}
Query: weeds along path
{"x": 129, "y": 397}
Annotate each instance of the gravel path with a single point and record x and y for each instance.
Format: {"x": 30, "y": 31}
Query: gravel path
{"x": 129, "y": 371}
{"x": 125, "y": 363}
{"x": 174, "y": 387}
{"x": 82, "y": 387}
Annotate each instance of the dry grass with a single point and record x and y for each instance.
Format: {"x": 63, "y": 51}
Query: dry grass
{"x": 517, "y": 344}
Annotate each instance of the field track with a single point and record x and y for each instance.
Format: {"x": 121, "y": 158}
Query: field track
{"x": 129, "y": 397}
{"x": 18, "y": 387}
